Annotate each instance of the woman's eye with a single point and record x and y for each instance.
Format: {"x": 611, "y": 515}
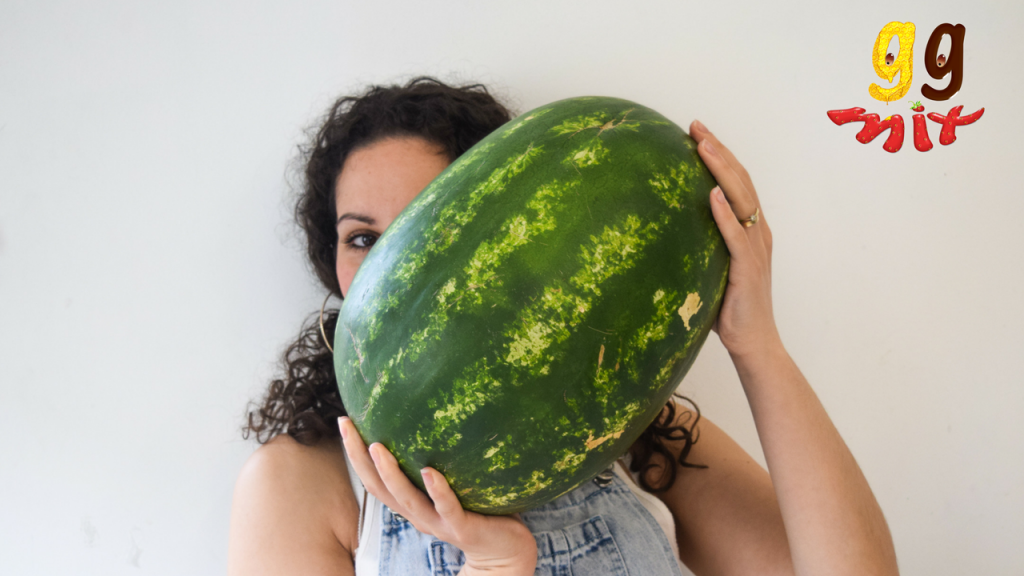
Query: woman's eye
{"x": 361, "y": 241}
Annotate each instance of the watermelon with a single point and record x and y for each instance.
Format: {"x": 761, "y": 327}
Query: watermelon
{"x": 530, "y": 312}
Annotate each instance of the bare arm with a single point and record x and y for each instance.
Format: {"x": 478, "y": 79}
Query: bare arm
{"x": 293, "y": 512}
{"x": 815, "y": 514}
{"x": 727, "y": 518}
{"x": 832, "y": 519}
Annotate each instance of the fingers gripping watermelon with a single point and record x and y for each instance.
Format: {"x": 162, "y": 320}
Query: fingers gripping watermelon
{"x": 529, "y": 313}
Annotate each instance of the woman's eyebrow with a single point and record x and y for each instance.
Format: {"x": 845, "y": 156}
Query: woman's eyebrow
{"x": 361, "y": 217}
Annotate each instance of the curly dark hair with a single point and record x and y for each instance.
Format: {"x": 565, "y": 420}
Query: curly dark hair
{"x": 304, "y": 402}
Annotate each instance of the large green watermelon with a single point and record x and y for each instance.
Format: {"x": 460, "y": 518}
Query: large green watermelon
{"x": 531, "y": 311}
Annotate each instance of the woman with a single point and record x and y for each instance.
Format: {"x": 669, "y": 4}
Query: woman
{"x": 295, "y": 508}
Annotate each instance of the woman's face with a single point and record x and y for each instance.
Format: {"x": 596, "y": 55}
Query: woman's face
{"x": 375, "y": 184}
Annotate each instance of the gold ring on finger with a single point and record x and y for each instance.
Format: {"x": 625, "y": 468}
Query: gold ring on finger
{"x": 748, "y": 222}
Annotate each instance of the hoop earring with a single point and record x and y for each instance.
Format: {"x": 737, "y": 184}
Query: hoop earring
{"x": 323, "y": 332}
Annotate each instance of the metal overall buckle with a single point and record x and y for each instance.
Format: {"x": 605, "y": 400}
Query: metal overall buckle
{"x": 605, "y": 478}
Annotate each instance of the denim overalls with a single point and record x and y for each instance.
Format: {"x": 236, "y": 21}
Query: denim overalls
{"x": 600, "y": 528}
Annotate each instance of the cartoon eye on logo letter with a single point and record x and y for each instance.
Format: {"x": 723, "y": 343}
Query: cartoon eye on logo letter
{"x": 886, "y": 68}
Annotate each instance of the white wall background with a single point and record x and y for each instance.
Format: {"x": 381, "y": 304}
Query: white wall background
{"x": 150, "y": 276}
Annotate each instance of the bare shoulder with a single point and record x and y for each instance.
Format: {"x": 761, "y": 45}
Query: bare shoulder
{"x": 293, "y": 511}
{"x": 713, "y": 447}
{"x": 718, "y": 456}
{"x": 727, "y": 516}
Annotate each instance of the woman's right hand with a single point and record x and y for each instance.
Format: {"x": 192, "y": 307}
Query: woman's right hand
{"x": 497, "y": 545}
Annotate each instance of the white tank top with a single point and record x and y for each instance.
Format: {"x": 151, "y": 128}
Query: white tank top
{"x": 367, "y": 553}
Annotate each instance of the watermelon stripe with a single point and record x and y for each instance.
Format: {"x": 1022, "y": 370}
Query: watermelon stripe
{"x": 453, "y": 217}
{"x": 560, "y": 309}
{"x": 578, "y": 124}
{"x": 522, "y": 120}
{"x": 614, "y": 427}
{"x": 676, "y": 184}
{"x": 712, "y": 242}
{"x": 476, "y": 387}
{"x": 482, "y": 267}
{"x": 654, "y": 330}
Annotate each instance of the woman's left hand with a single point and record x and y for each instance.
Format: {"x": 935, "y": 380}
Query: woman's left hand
{"x": 746, "y": 323}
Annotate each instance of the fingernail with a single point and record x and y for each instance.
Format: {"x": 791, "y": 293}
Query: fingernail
{"x": 717, "y": 193}
{"x": 341, "y": 426}
{"x": 373, "y": 454}
{"x": 428, "y": 478}
{"x": 700, "y": 127}
{"x": 710, "y": 148}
